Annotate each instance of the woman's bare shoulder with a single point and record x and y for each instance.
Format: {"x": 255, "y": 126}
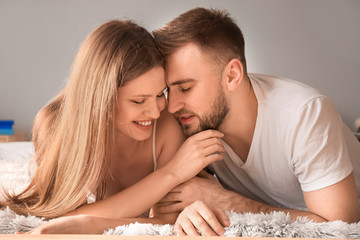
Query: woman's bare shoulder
{"x": 169, "y": 137}
{"x": 168, "y": 127}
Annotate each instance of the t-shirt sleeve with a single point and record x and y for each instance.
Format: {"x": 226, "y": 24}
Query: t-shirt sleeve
{"x": 320, "y": 156}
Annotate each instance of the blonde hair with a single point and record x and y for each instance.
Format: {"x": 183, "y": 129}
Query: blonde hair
{"x": 74, "y": 133}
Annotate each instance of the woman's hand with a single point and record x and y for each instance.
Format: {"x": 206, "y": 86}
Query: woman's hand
{"x": 196, "y": 153}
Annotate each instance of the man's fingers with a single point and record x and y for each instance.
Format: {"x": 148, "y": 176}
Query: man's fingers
{"x": 171, "y": 197}
{"x": 211, "y": 219}
{"x": 170, "y": 208}
{"x": 200, "y": 223}
{"x": 173, "y": 194}
{"x": 188, "y": 228}
{"x": 178, "y": 230}
{"x": 198, "y": 216}
{"x": 223, "y": 218}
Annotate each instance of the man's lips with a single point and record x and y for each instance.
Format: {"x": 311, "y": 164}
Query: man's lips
{"x": 186, "y": 119}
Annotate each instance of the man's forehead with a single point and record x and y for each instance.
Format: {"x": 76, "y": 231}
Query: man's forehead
{"x": 186, "y": 53}
{"x": 181, "y": 67}
{"x": 178, "y": 74}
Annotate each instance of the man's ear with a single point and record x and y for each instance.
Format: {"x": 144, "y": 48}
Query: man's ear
{"x": 234, "y": 74}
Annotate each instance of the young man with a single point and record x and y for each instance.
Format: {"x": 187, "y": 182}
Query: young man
{"x": 287, "y": 147}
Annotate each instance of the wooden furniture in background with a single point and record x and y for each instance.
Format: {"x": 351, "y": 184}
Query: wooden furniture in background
{"x": 13, "y": 138}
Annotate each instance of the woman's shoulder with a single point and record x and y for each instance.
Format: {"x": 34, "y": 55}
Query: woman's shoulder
{"x": 169, "y": 137}
{"x": 167, "y": 126}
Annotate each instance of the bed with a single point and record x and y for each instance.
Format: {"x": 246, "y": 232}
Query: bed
{"x": 15, "y": 173}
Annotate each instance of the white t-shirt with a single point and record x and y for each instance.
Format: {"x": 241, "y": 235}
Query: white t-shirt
{"x": 300, "y": 144}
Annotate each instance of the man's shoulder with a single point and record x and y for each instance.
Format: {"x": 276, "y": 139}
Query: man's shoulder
{"x": 281, "y": 92}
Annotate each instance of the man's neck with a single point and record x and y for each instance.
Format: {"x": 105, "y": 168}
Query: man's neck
{"x": 239, "y": 125}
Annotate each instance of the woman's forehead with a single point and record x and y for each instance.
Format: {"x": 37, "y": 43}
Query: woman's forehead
{"x": 149, "y": 83}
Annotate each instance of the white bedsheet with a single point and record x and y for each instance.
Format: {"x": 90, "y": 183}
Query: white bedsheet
{"x": 15, "y": 172}
{"x": 16, "y": 151}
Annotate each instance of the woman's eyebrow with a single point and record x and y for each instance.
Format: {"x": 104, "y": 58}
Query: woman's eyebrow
{"x": 141, "y": 95}
{"x": 147, "y": 95}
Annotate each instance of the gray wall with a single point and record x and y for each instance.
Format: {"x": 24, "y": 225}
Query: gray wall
{"x": 313, "y": 41}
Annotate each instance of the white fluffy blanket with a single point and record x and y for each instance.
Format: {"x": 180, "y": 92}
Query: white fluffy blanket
{"x": 14, "y": 159}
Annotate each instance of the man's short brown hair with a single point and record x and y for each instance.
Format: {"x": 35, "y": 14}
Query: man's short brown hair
{"x": 214, "y": 31}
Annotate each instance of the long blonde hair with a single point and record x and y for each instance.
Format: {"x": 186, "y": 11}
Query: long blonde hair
{"x": 74, "y": 133}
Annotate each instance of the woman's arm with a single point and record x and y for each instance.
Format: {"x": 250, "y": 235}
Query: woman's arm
{"x": 86, "y": 224}
{"x": 197, "y": 152}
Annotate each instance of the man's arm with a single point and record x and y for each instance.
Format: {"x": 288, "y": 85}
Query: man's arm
{"x": 336, "y": 202}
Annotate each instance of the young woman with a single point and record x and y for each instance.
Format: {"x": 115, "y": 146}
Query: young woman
{"x": 105, "y": 138}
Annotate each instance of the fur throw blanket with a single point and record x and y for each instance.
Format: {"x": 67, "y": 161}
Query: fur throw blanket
{"x": 276, "y": 224}
{"x": 14, "y": 175}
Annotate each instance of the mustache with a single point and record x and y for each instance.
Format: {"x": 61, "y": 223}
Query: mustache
{"x": 183, "y": 112}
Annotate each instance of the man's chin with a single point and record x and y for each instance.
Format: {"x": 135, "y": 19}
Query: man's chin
{"x": 189, "y": 131}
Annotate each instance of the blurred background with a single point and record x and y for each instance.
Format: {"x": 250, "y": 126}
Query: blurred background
{"x": 313, "y": 41}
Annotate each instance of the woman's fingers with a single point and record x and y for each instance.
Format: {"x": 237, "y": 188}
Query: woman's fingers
{"x": 208, "y": 145}
{"x": 207, "y": 134}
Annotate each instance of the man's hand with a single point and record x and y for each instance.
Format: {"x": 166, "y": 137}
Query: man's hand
{"x": 198, "y": 219}
{"x": 204, "y": 187}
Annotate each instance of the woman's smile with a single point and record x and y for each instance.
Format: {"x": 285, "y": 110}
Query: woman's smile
{"x": 144, "y": 125}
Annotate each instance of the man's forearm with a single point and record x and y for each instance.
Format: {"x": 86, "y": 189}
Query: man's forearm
{"x": 238, "y": 203}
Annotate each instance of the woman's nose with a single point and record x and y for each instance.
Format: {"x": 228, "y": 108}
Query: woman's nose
{"x": 153, "y": 111}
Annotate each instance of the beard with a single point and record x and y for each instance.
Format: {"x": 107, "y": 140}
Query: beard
{"x": 211, "y": 120}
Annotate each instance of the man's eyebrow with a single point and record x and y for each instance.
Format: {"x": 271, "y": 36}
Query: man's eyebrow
{"x": 182, "y": 81}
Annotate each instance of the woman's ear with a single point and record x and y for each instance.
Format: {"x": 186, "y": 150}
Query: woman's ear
{"x": 233, "y": 74}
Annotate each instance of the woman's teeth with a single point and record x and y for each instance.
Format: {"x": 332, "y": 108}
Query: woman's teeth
{"x": 147, "y": 123}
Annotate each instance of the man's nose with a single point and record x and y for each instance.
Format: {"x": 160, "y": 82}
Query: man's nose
{"x": 175, "y": 102}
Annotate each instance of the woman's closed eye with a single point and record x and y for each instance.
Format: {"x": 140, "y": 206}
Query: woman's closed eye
{"x": 162, "y": 94}
{"x": 138, "y": 101}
